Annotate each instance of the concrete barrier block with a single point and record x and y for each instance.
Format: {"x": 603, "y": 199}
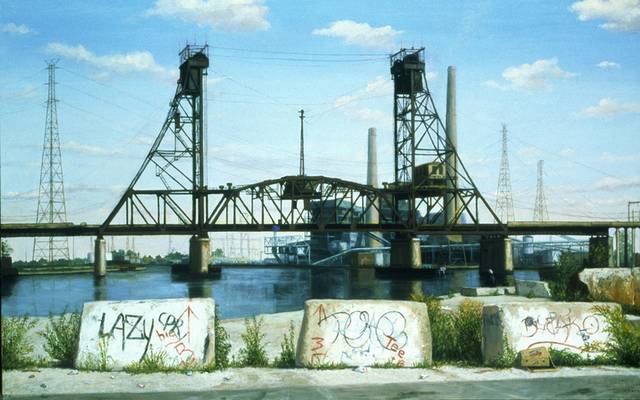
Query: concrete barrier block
{"x": 532, "y": 289}
{"x": 119, "y": 333}
{"x": 571, "y": 326}
{"x": 487, "y": 291}
{"x": 364, "y": 333}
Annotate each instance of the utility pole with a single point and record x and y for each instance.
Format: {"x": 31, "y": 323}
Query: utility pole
{"x": 540, "y": 212}
{"x": 52, "y": 207}
{"x": 301, "y": 142}
{"x": 504, "y": 199}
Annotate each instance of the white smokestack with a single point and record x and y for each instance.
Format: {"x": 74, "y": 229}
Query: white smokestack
{"x": 452, "y": 141}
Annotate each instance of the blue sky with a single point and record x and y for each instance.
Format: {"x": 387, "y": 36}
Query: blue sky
{"x": 564, "y": 76}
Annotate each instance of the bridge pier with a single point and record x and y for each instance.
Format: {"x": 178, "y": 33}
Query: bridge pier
{"x": 99, "y": 258}
{"x": 199, "y": 253}
{"x": 495, "y": 255}
{"x": 405, "y": 252}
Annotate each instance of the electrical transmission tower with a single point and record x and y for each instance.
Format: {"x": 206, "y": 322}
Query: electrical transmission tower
{"x": 504, "y": 200}
{"x": 51, "y": 203}
{"x": 540, "y": 212}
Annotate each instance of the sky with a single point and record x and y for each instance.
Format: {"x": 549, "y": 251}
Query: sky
{"x": 564, "y": 76}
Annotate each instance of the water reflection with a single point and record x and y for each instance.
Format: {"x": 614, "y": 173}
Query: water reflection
{"x": 239, "y": 292}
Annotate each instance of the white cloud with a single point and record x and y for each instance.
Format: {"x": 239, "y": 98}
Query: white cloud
{"x": 88, "y": 149}
{"x": 15, "y": 29}
{"x": 371, "y": 116}
{"x": 137, "y": 61}
{"x": 495, "y": 85}
{"x": 614, "y": 158}
{"x": 567, "y": 152}
{"x": 607, "y": 108}
{"x": 29, "y": 195}
{"x": 361, "y": 34}
{"x": 618, "y": 15}
{"x": 611, "y": 183}
{"x": 344, "y": 100}
{"x": 380, "y": 84}
{"x": 608, "y": 65}
{"x": 530, "y": 152}
{"x": 431, "y": 75}
{"x": 224, "y": 15}
{"x": 535, "y": 76}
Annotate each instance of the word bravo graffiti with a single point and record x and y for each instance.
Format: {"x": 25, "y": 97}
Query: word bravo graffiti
{"x": 565, "y": 330}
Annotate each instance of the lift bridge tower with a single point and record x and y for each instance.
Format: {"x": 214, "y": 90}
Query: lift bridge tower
{"x": 51, "y": 202}
{"x": 431, "y": 184}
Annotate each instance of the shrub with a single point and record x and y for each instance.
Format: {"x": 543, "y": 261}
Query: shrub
{"x": 566, "y": 358}
{"x": 563, "y": 285}
{"x": 253, "y": 353}
{"x": 222, "y": 345}
{"x": 61, "y": 338}
{"x": 287, "y": 358}
{"x": 624, "y": 343}
{"x": 16, "y": 345}
{"x": 455, "y": 335}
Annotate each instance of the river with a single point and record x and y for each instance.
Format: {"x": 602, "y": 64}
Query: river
{"x": 240, "y": 291}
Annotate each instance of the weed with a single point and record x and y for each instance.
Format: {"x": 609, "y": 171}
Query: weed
{"x": 287, "y": 357}
{"x": 150, "y": 363}
{"x": 388, "y": 364}
{"x": 455, "y": 335}
{"x": 99, "y": 362}
{"x": 253, "y": 354}
{"x": 506, "y": 359}
{"x": 61, "y": 338}
{"x": 624, "y": 343}
{"x": 467, "y": 322}
{"x": 16, "y": 345}
{"x": 222, "y": 344}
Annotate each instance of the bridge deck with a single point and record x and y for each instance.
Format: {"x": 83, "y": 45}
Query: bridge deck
{"x": 512, "y": 228}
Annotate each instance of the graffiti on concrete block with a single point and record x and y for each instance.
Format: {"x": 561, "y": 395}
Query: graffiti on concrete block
{"x": 360, "y": 335}
{"x": 169, "y": 332}
{"x": 565, "y": 330}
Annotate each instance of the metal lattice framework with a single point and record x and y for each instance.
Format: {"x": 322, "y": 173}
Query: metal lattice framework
{"x": 51, "y": 201}
{"x": 504, "y": 198}
{"x": 292, "y": 203}
{"x": 429, "y": 174}
{"x": 177, "y": 157}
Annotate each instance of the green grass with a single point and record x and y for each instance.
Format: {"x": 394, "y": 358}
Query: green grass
{"x": 287, "y": 357}
{"x": 253, "y": 354}
{"x": 16, "y": 344}
{"x": 61, "y": 338}
{"x": 152, "y": 362}
{"x": 624, "y": 343}
{"x": 99, "y": 362}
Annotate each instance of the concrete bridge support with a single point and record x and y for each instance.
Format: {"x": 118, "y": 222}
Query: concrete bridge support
{"x": 99, "y": 258}
{"x": 406, "y": 253}
{"x": 495, "y": 255}
{"x": 199, "y": 253}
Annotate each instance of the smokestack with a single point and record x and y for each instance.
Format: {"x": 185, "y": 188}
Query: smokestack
{"x": 372, "y": 180}
{"x": 372, "y": 161}
{"x": 452, "y": 143}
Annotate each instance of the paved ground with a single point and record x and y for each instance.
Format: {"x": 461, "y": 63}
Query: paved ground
{"x": 258, "y": 383}
{"x": 601, "y": 387}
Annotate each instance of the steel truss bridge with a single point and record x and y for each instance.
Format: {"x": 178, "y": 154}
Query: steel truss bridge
{"x": 432, "y": 192}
